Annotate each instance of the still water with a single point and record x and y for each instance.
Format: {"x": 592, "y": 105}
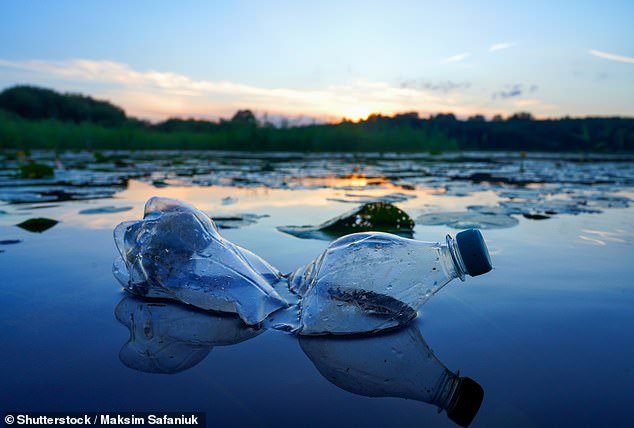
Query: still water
{"x": 547, "y": 334}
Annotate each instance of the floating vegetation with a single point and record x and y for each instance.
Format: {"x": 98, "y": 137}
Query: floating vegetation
{"x": 36, "y": 170}
{"x": 10, "y": 241}
{"x": 237, "y": 221}
{"x": 228, "y": 200}
{"x": 533, "y": 184}
{"x": 37, "y": 225}
{"x": 36, "y": 207}
{"x": 52, "y": 193}
{"x": 550, "y": 207}
{"x": 105, "y": 210}
{"x": 360, "y": 198}
{"x": 536, "y": 216}
{"x": 469, "y": 219}
{"x": 603, "y": 200}
{"x": 377, "y": 216}
{"x": 159, "y": 183}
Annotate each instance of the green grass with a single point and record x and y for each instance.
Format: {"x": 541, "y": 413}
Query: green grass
{"x": 19, "y": 133}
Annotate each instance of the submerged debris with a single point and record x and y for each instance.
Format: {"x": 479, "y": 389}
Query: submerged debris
{"x": 378, "y": 216}
{"x": 38, "y": 225}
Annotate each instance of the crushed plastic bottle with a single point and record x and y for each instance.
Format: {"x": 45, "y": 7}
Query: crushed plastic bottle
{"x": 398, "y": 364}
{"x": 363, "y": 282}
{"x": 176, "y": 252}
{"x": 373, "y": 281}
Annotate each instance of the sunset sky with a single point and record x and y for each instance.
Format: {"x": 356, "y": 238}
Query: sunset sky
{"x": 327, "y": 60}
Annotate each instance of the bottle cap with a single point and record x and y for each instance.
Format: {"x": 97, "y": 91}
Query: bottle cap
{"x": 473, "y": 251}
{"x": 469, "y": 398}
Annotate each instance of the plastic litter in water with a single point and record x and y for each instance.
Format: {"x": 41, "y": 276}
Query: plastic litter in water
{"x": 176, "y": 252}
{"x": 363, "y": 282}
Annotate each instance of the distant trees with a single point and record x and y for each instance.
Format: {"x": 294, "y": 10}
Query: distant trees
{"x": 521, "y": 116}
{"x": 33, "y": 117}
{"x": 244, "y": 118}
{"x": 38, "y": 103}
{"x": 476, "y": 118}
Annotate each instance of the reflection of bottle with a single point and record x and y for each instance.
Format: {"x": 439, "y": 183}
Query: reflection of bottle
{"x": 398, "y": 364}
{"x": 169, "y": 337}
{"x": 372, "y": 281}
{"x": 176, "y": 252}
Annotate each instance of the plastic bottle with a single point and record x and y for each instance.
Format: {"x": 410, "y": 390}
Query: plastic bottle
{"x": 175, "y": 252}
{"x": 372, "y": 281}
{"x": 398, "y": 364}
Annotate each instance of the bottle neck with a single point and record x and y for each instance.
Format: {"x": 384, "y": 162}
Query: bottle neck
{"x": 445, "y": 396}
{"x": 457, "y": 267}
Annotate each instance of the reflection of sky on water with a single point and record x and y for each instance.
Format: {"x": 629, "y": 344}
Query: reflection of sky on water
{"x": 547, "y": 333}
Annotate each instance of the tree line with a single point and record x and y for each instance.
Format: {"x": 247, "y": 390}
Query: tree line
{"x": 32, "y": 117}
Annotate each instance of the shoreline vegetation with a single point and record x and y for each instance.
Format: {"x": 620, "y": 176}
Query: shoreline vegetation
{"x": 38, "y": 118}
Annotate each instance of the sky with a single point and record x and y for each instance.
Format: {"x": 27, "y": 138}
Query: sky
{"x": 327, "y": 60}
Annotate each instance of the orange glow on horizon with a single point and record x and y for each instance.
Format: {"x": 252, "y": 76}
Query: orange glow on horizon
{"x": 356, "y": 113}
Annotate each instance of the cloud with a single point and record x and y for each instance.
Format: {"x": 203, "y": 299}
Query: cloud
{"x": 612, "y": 57}
{"x": 500, "y": 46}
{"x": 444, "y": 87}
{"x": 458, "y": 57}
{"x": 533, "y": 103}
{"x": 510, "y": 91}
{"x": 514, "y": 90}
{"x": 156, "y": 94}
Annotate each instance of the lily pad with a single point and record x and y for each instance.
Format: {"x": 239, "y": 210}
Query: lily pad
{"x": 536, "y": 216}
{"x": 10, "y": 241}
{"x": 105, "y": 210}
{"x": 228, "y": 200}
{"x": 36, "y": 170}
{"x": 360, "y": 198}
{"x": 376, "y": 216}
{"x": 551, "y": 207}
{"x": 469, "y": 219}
{"x": 237, "y": 221}
{"x": 38, "y": 225}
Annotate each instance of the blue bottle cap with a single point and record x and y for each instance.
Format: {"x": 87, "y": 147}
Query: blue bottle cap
{"x": 473, "y": 251}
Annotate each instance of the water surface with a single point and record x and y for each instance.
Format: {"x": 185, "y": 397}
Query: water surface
{"x": 547, "y": 334}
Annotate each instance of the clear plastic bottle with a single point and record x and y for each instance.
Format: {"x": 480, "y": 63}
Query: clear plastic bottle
{"x": 176, "y": 252}
{"x": 373, "y": 281}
